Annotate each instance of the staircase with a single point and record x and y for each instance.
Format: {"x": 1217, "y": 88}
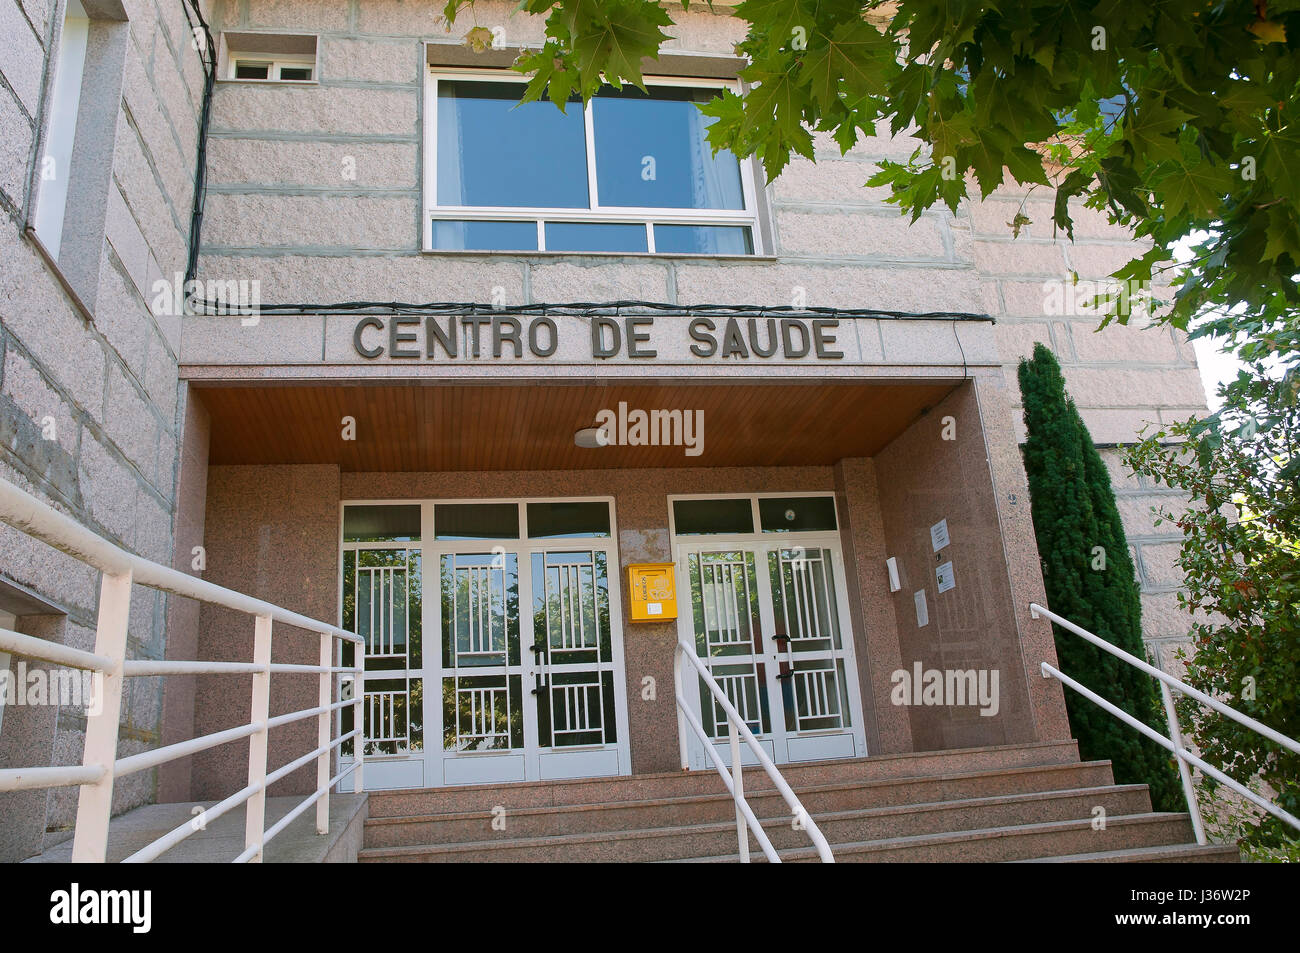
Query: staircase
{"x": 1013, "y": 803}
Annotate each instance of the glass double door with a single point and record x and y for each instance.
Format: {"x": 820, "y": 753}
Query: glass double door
{"x": 520, "y": 676}
{"x": 530, "y": 677}
{"x": 771, "y": 624}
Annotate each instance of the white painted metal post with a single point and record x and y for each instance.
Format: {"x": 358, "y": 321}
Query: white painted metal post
{"x": 358, "y": 716}
{"x": 255, "y": 824}
{"x": 738, "y": 790}
{"x": 1184, "y": 769}
{"x": 323, "y": 733}
{"x": 682, "y": 751}
{"x": 95, "y": 801}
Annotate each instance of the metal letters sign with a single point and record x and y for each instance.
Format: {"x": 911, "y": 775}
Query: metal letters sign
{"x": 474, "y": 337}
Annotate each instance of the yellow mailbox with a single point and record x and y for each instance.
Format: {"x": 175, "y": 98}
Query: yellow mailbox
{"x": 652, "y": 589}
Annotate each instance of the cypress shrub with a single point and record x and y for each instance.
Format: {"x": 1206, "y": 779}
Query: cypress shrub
{"x": 1090, "y": 581}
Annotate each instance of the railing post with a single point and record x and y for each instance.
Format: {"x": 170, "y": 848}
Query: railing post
{"x": 683, "y": 752}
{"x": 255, "y": 824}
{"x": 359, "y": 716}
{"x": 95, "y": 801}
{"x": 738, "y": 789}
{"x": 1184, "y": 769}
{"x": 324, "y": 724}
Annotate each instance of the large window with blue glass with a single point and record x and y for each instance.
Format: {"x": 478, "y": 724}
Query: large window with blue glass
{"x": 632, "y": 171}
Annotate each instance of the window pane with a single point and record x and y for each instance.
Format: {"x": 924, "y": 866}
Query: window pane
{"x": 696, "y": 517}
{"x": 252, "y": 70}
{"x": 550, "y": 520}
{"x": 298, "y": 73}
{"x": 492, "y": 151}
{"x": 788, "y": 514}
{"x": 476, "y": 521}
{"x": 703, "y": 240}
{"x": 651, "y": 151}
{"x": 587, "y": 236}
{"x": 460, "y": 235}
{"x": 376, "y": 524}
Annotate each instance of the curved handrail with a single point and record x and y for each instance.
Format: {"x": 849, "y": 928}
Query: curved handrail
{"x": 733, "y": 717}
{"x": 1174, "y": 743}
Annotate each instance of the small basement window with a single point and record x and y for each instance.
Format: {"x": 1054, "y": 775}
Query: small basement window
{"x": 268, "y": 57}
{"x": 283, "y": 71}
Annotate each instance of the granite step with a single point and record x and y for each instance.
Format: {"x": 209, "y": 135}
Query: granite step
{"x": 676, "y": 840}
{"x": 1122, "y": 834}
{"x": 716, "y": 807}
{"x": 478, "y": 797}
{"x": 1172, "y": 854}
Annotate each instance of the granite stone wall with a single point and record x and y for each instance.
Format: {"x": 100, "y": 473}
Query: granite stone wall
{"x": 90, "y": 406}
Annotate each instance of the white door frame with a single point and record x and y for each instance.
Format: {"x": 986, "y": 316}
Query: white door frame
{"x": 433, "y": 766}
{"x": 812, "y": 745}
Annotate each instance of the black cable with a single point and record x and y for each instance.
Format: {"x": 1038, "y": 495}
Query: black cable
{"x": 205, "y": 116}
{"x": 578, "y": 309}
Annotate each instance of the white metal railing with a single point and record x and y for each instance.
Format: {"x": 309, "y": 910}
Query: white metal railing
{"x": 734, "y": 779}
{"x": 100, "y": 765}
{"x": 1174, "y": 743}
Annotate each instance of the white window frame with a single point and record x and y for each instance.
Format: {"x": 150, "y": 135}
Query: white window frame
{"x": 52, "y": 196}
{"x": 274, "y": 63}
{"x": 649, "y": 217}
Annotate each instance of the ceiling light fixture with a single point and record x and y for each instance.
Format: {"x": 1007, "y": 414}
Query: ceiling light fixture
{"x": 589, "y": 438}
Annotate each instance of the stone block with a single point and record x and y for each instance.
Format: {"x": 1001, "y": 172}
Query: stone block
{"x": 286, "y": 221}
{"x": 22, "y": 58}
{"x": 15, "y": 146}
{"x": 339, "y": 165}
{"x": 845, "y": 234}
{"x": 595, "y": 280}
{"x": 318, "y": 109}
{"x": 1019, "y": 258}
{"x": 372, "y": 61}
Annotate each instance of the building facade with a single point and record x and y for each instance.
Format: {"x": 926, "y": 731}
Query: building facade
{"x": 803, "y": 405}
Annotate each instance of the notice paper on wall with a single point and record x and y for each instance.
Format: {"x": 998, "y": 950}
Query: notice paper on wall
{"x": 922, "y": 609}
{"x": 939, "y": 535}
{"x": 945, "y": 576}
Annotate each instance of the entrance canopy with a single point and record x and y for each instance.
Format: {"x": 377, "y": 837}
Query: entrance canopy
{"x": 439, "y": 427}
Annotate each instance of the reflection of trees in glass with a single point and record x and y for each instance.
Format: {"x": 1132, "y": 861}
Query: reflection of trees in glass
{"x": 457, "y": 606}
{"x": 409, "y": 705}
{"x": 507, "y": 714}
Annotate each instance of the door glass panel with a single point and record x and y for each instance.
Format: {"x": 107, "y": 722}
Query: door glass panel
{"x": 803, "y": 595}
{"x": 729, "y": 637}
{"x": 575, "y": 684}
{"x": 552, "y": 520}
{"x": 699, "y": 517}
{"x": 380, "y": 523}
{"x": 482, "y": 704}
{"x": 480, "y": 609}
{"x": 815, "y": 696}
{"x": 743, "y": 684}
{"x": 381, "y": 603}
{"x": 482, "y": 713}
{"x": 790, "y": 514}
{"x": 476, "y": 521}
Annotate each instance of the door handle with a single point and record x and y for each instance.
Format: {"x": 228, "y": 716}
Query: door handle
{"x": 538, "y": 649}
